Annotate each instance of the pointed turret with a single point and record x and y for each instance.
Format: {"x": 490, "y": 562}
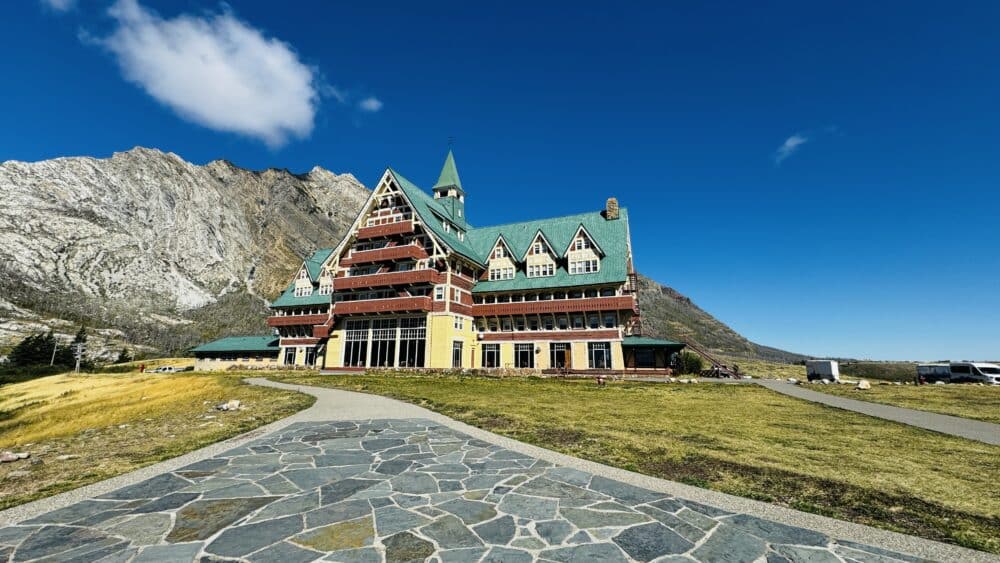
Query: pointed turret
{"x": 448, "y": 191}
{"x": 449, "y": 174}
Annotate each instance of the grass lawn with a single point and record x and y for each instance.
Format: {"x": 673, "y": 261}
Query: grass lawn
{"x": 117, "y": 423}
{"x": 967, "y": 401}
{"x": 739, "y": 439}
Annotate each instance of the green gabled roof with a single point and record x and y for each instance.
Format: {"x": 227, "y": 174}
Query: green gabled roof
{"x": 650, "y": 342}
{"x": 610, "y": 236}
{"x": 315, "y": 262}
{"x": 240, "y": 344}
{"x": 288, "y": 298}
{"x": 430, "y": 212}
{"x": 449, "y": 174}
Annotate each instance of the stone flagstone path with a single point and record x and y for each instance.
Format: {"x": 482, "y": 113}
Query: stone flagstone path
{"x": 402, "y": 490}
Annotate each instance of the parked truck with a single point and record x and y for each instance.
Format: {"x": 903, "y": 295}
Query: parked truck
{"x": 822, "y": 369}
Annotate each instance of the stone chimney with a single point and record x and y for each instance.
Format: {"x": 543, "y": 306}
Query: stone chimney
{"x": 611, "y": 209}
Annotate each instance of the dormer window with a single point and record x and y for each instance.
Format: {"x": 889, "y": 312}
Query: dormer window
{"x": 447, "y": 226}
{"x": 582, "y": 243}
{"x": 536, "y": 248}
{"x": 303, "y": 291}
{"x": 303, "y": 274}
{"x": 499, "y": 252}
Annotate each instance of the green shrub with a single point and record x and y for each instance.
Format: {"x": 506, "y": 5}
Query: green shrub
{"x": 689, "y": 362}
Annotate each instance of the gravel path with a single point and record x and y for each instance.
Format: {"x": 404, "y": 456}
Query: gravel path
{"x": 956, "y": 426}
{"x": 363, "y": 478}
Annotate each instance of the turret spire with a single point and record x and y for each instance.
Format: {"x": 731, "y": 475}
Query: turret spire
{"x": 449, "y": 174}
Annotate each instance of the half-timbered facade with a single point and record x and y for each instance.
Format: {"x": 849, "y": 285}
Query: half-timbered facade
{"x": 415, "y": 285}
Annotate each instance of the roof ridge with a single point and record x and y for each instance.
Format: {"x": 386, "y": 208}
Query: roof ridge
{"x": 570, "y": 216}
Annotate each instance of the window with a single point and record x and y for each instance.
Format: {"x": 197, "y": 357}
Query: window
{"x": 581, "y": 243}
{"x": 356, "y": 343}
{"x": 459, "y": 323}
{"x": 383, "y": 343}
{"x": 461, "y": 234}
{"x": 447, "y": 226}
{"x": 325, "y": 289}
{"x": 536, "y": 248}
{"x": 609, "y": 320}
{"x": 500, "y": 252}
{"x": 289, "y": 356}
{"x": 541, "y": 270}
{"x": 303, "y": 274}
{"x": 506, "y": 324}
{"x": 577, "y": 321}
{"x": 524, "y": 355}
{"x": 558, "y": 355}
{"x": 594, "y": 321}
{"x": 412, "y": 342}
{"x": 439, "y": 293}
{"x": 405, "y": 266}
{"x": 549, "y": 323}
{"x": 563, "y": 322}
{"x": 311, "y": 356}
{"x": 501, "y": 274}
{"x": 303, "y": 291}
{"x": 584, "y": 266}
{"x": 491, "y": 355}
{"x": 599, "y": 354}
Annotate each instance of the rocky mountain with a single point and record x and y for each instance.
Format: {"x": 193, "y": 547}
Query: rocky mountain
{"x": 154, "y": 246}
{"x": 667, "y": 313}
{"x": 149, "y": 250}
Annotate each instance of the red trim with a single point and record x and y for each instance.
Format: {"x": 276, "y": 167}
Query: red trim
{"x": 389, "y": 253}
{"x": 399, "y": 228}
{"x": 292, "y": 320}
{"x": 391, "y": 278}
{"x": 382, "y": 305}
{"x": 298, "y": 341}
{"x": 591, "y": 304}
{"x": 561, "y": 335}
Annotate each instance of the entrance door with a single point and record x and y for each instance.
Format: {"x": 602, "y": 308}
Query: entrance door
{"x": 456, "y": 354}
{"x": 310, "y": 356}
{"x": 289, "y": 356}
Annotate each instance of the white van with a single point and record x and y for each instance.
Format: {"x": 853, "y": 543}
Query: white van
{"x": 975, "y": 372}
{"x": 932, "y": 373}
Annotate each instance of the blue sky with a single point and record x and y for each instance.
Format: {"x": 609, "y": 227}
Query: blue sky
{"x": 824, "y": 177}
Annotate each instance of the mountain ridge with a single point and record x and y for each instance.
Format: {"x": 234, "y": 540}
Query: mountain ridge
{"x": 155, "y": 252}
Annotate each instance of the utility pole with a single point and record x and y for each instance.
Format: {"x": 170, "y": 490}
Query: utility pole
{"x": 78, "y": 350}
{"x": 55, "y": 346}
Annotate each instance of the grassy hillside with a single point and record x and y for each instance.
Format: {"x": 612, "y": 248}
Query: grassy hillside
{"x": 668, "y": 314}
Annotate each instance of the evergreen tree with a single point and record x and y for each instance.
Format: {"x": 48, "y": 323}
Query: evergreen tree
{"x": 123, "y": 356}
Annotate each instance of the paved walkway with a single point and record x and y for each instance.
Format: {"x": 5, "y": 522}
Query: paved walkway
{"x": 953, "y": 425}
{"x": 363, "y": 478}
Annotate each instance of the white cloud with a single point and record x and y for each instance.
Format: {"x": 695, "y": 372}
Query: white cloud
{"x": 370, "y": 104}
{"x": 59, "y": 5}
{"x": 216, "y": 71}
{"x": 789, "y": 147}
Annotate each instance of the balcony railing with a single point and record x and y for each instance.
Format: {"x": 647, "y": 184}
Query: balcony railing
{"x": 426, "y": 275}
{"x": 402, "y": 252}
{"x": 585, "y": 305}
{"x": 391, "y": 305}
{"x": 293, "y": 320}
{"x": 400, "y": 228}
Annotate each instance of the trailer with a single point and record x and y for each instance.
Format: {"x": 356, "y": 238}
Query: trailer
{"x": 828, "y": 370}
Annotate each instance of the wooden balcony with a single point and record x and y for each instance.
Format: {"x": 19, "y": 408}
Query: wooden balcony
{"x": 293, "y": 320}
{"x": 402, "y": 252}
{"x": 392, "y": 305}
{"x": 401, "y": 228}
{"x": 586, "y": 305}
{"x": 389, "y": 279}
{"x": 323, "y": 330}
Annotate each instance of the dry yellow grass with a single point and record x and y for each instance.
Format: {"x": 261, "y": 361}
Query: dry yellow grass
{"x": 112, "y": 424}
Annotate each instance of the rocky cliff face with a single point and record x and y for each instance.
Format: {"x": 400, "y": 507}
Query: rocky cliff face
{"x": 146, "y": 239}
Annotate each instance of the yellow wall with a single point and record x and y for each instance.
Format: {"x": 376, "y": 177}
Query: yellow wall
{"x": 334, "y": 350}
{"x": 441, "y": 333}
